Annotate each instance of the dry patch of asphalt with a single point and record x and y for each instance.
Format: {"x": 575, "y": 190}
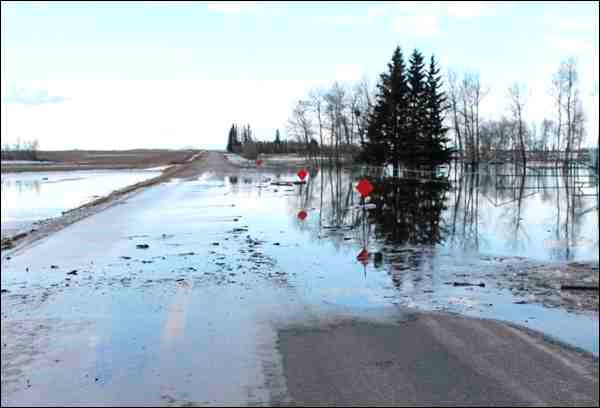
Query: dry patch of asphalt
{"x": 432, "y": 360}
{"x": 193, "y": 166}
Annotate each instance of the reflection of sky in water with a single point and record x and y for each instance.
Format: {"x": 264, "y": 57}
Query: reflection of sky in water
{"x": 328, "y": 274}
{"x": 543, "y": 220}
{"x": 28, "y": 197}
{"x": 551, "y": 221}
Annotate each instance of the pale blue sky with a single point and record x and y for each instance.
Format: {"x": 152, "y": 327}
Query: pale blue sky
{"x": 173, "y": 74}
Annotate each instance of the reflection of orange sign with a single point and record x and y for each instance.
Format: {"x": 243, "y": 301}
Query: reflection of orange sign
{"x": 302, "y": 174}
{"x": 259, "y": 162}
{"x": 364, "y": 187}
{"x": 363, "y": 257}
{"x": 302, "y": 215}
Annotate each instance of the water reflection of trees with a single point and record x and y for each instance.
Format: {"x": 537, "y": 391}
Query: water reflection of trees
{"x": 509, "y": 189}
{"x": 330, "y": 200}
{"x": 463, "y": 213}
{"x": 403, "y": 211}
{"x": 408, "y": 211}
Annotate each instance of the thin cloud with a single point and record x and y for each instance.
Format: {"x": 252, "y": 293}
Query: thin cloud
{"x": 419, "y": 18}
{"x": 374, "y": 13}
{"x": 340, "y": 20}
{"x": 31, "y": 96}
{"x": 231, "y": 7}
{"x": 468, "y": 9}
{"x": 422, "y": 19}
{"x": 458, "y": 9}
{"x": 586, "y": 25}
{"x": 420, "y": 26}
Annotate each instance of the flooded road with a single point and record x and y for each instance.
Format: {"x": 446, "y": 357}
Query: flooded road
{"x": 505, "y": 237}
{"x": 213, "y": 291}
{"x": 30, "y": 197}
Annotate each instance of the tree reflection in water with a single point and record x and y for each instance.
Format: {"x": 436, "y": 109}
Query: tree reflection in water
{"x": 544, "y": 213}
{"x": 408, "y": 211}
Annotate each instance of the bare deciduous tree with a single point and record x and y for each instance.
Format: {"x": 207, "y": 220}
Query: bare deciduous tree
{"x": 300, "y": 125}
{"x": 570, "y": 130}
{"x": 465, "y": 103}
{"x": 517, "y": 94}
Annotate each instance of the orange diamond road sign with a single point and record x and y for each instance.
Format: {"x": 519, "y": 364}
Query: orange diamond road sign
{"x": 364, "y": 187}
{"x": 302, "y": 215}
{"x": 302, "y": 174}
{"x": 259, "y": 163}
{"x": 363, "y": 257}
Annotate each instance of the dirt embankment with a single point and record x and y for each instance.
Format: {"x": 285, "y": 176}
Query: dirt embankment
{"x": 100, "y": 160}
{"x": 191, "y": 166}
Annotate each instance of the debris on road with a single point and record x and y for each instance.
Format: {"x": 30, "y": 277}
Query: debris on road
{"x": 466, "y": 284}
{"x": 578, "y": 287}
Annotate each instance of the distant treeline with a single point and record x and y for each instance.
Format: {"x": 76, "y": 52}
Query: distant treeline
{"x": 243, "y": 143}
{"x": 21, "y": 150}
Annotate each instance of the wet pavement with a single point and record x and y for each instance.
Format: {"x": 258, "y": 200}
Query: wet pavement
{"x": 180, "y": 294}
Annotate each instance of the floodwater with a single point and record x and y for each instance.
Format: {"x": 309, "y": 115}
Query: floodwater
{"x": 30, "y": 197}
{"x": 232, "y": 259}
{"x": 422, "y": 236}
{"x": 545, "y": 214}
{"x": 481, "y": 228}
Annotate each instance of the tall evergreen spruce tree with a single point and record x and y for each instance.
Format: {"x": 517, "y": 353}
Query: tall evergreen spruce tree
{"x": 398, "y": 110}
{"x": 387, "y": 122}
{"x": 417, "y": 110}
{"x": 439, "y": 152}
{"x": 231, "y": 139}
{"x": 237, "y": 144}
{"x": 406, "y": 123}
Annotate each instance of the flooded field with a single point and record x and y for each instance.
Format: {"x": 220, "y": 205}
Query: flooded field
{"x": 30, "y": 197}
{"x": 544, "y": 214}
